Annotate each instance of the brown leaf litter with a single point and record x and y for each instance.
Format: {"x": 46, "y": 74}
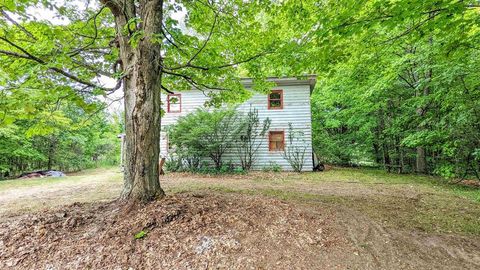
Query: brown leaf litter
{"x": 183, "y": 231}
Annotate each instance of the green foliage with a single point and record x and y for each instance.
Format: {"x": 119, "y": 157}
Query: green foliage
{"x": 243, "y": 32}
{"x": 61, "y": 137}
{"x": 295, "y": 149}
{"x": 395, "y": 78}
{"x": 272, "y": 167}
{"x": 46, "y": 121}
{"x": 209, "y": 134}
{"x": 203, "y": 133}
{"x": 226, "y": 168}
{"x": 177, "y": 165}
{"x": 239, "y": 170}
{"x": 140, "y": 235}
{"x": 173, "y": 163}
{"x": 249, "y": 140}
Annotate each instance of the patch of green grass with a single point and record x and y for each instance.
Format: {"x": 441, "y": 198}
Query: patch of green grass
{"x": 140, "y": 235}
{"x": 378, "y": 176}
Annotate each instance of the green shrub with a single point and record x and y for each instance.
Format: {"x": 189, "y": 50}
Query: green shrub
{"x": 239, "y": 170}
{"x": 205, "y": 134}
{"x": 272, "y": 167}
{"x": 250, "y": 137}
{"x": 173, "y": 163}
{"x": 226, "y": 168}
{"x": 295, "y": 149}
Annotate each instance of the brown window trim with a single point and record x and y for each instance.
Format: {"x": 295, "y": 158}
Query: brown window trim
{"x": 280, "y": 91}
{"x": 179, "y": 97}
{"x": 270, "y": 140}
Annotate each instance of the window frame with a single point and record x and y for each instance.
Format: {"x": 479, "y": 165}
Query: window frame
{"x": 280, "y": 91}
{"x": 270, "y": 149}
{"x": 179, "y": 97}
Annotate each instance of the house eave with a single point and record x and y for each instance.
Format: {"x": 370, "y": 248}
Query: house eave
{"x": 310, "y": 80}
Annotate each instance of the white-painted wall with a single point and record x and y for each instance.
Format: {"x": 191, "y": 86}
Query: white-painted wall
{"x": 296, "y": 110}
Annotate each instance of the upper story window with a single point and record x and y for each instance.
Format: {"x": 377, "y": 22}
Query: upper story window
{"x": 276, "y": 140}
{"x": 174, "y": 103}
{"x": 275, "y": 100}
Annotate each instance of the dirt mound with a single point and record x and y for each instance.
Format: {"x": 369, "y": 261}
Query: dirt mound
{"x": 184, "y": 231}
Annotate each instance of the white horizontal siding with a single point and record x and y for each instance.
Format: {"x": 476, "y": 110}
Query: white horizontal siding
{"x": 296, "y": 110}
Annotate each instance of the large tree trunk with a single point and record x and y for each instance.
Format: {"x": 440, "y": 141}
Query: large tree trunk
{"x": 377, "y": 140}
{"x": 421, "y": 152}
{"x": 51, "y": 152}
{"x": 401, "y": 164}
{"x": 421, "y": 160}
{"x": 384, "y": 142}
{"x": 142, "y": 66}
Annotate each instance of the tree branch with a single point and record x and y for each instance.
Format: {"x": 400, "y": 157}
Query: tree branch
{"x": 114, "y": 6}
{"x": 189, "y": 62}
{"x": 166, "y": 89}
{"x": 93, "y": 69}
{"x": 23, "y": 29}
{"x": 189, "y": 65}
{"x": 29, "y": 56}
{"x": 164, "y": 33}
{"x": 194, "y": 83}
{"x": 431, "y": 16}
{"x": 77, "y": 51}
{"x": 14, "y": 54}
{"x": 206, "y": 41}
{"x": 407, "y": 82}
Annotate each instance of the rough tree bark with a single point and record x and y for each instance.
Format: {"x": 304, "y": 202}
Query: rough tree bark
{"x": 421, "y": 160}
{"x": 421, "y": 152}
{"x": 421, "y": 164}
{"x": 385, "y": 150}
{"x": 142, "y": 70}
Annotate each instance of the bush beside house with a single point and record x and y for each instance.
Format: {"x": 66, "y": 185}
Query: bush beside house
{"x": 199, "y": 142}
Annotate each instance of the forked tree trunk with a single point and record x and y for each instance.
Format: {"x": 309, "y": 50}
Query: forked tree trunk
{"x": 142, "y": 66}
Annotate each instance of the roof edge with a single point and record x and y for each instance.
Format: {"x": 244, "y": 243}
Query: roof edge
{"x": 310, "y": 80}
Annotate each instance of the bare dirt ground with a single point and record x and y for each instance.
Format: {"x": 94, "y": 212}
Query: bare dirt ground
{"x": 20, "y": 196}
{"x": 334, "y": 220}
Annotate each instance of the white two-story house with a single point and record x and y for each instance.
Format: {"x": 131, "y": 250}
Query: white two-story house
{"x": 288, "y": 102}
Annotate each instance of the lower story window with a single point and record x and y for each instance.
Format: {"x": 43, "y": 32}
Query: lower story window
{"x": 276, "y": 140}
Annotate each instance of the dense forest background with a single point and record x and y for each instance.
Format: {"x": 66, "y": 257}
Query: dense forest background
{"x": 398, "y": 81}
{"x": 403, "y": 91}
{"x": 60, "y": 137}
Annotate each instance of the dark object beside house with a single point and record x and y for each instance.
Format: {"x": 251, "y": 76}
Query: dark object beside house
{"x": 317, "y": 165}
{"x": 41, "y": 174}
{"x": 319, "y": 168}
